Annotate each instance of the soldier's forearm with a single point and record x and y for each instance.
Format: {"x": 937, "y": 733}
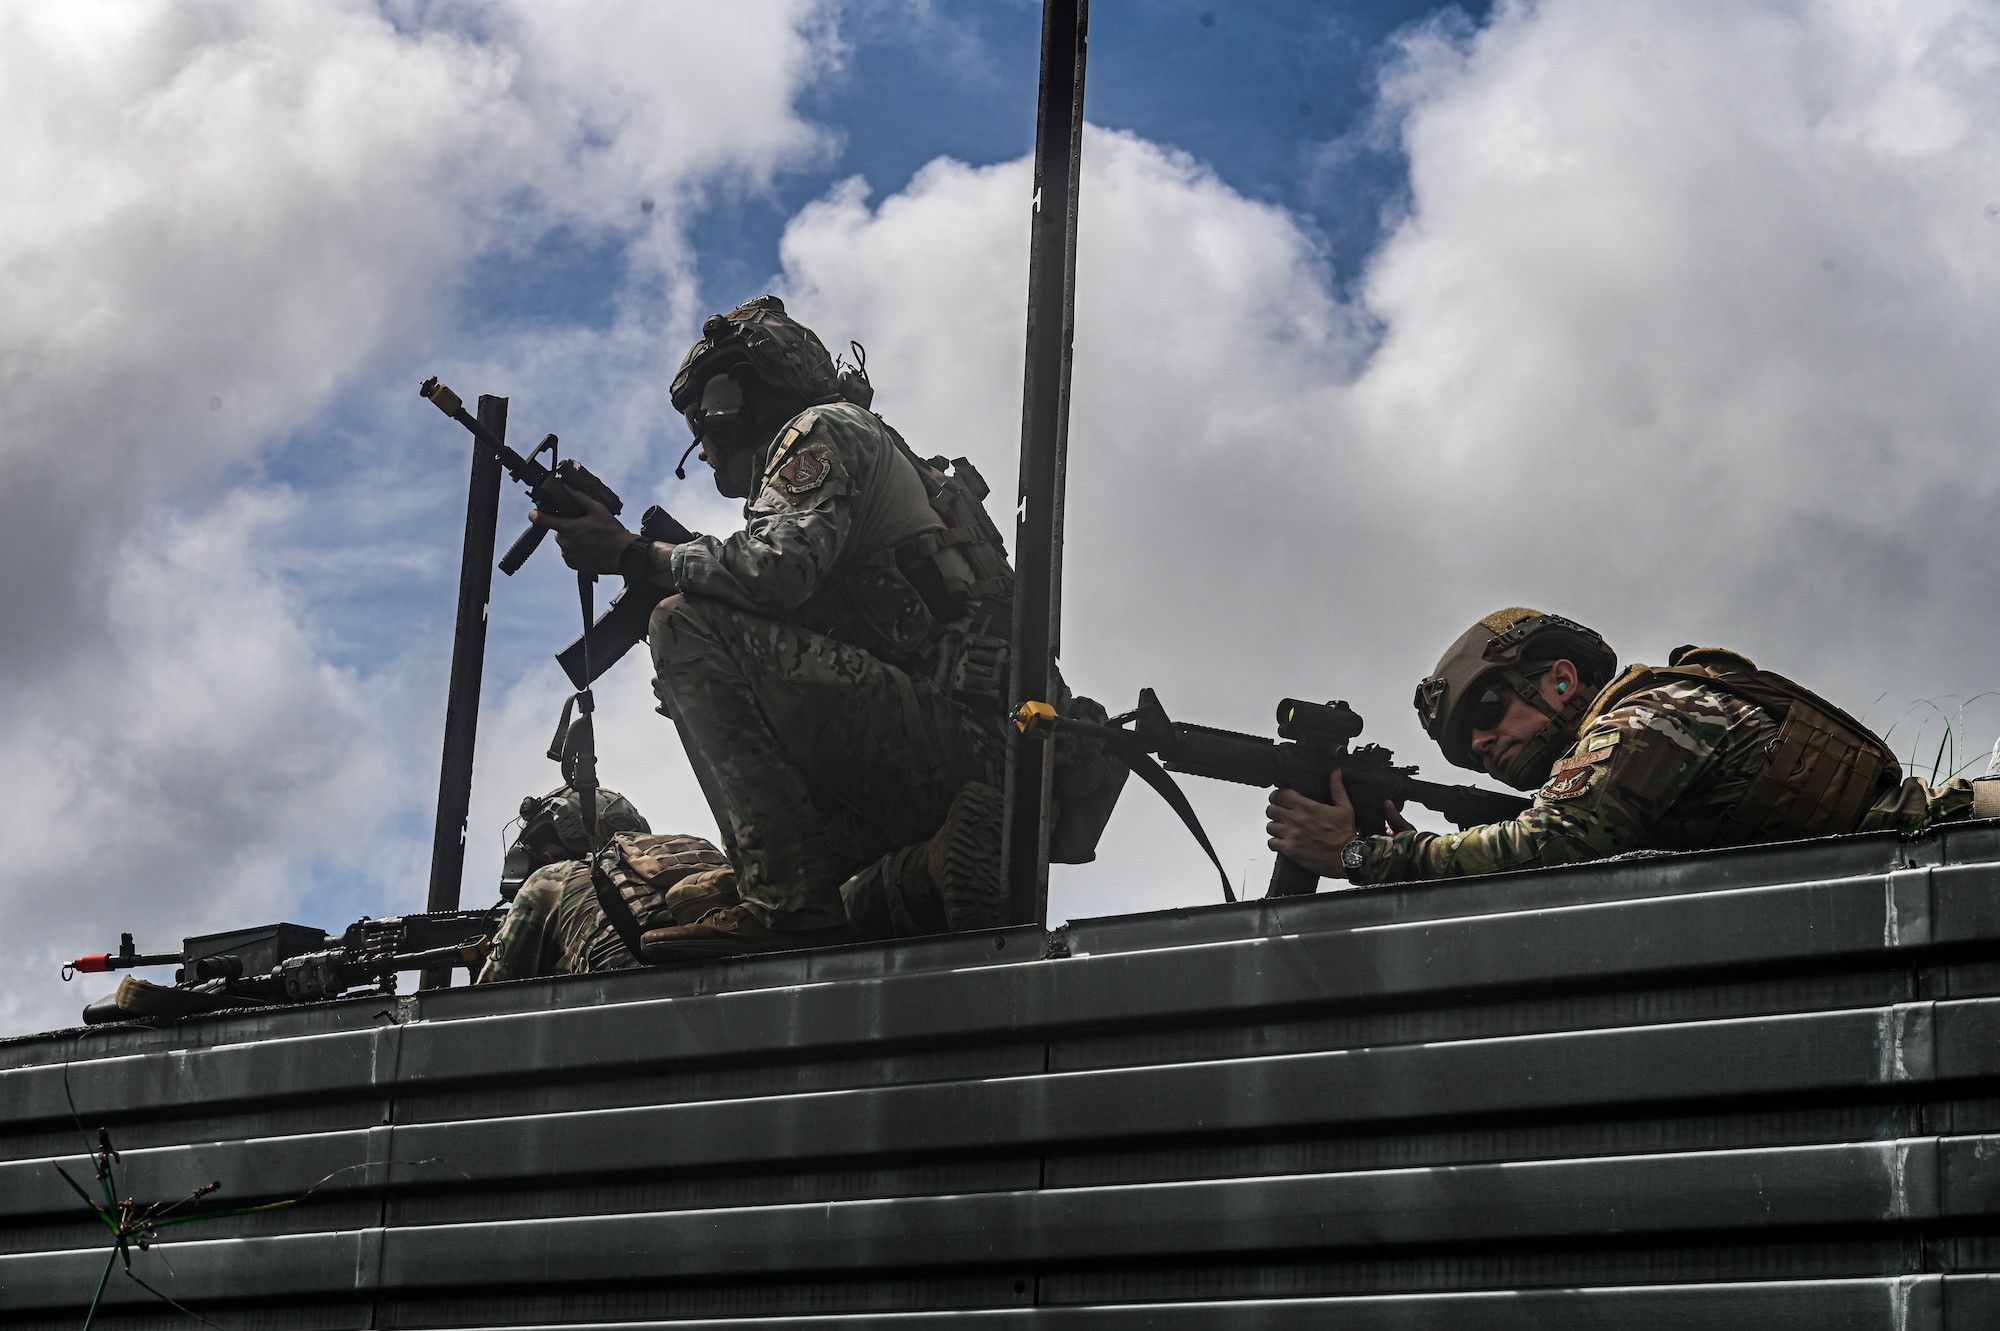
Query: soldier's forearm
{"x": 1539, "y": 838}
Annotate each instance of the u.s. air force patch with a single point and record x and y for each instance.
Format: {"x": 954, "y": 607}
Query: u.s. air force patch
{"x": 1575, "y": 775}
{"x": 806, "y": 468}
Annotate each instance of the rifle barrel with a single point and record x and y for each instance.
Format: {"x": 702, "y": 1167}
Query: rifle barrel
{"x": 530, "y": 474}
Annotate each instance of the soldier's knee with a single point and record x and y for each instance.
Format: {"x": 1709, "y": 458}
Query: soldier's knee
{"x": 679, "y": 629}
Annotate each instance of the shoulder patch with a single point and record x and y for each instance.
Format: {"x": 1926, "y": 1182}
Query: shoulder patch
{"x": 797, "y": 430}
{"x": 1572, "y": 783}
{"x": 806, "y": 469}
{"x": 1576, "y": 760}
{"x": 1602, "y": 740}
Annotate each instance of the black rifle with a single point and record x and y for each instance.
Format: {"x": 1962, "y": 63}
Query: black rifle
{"x": 554, "y": 489}
{"x": 1316, "y": 739}
{"x": 288, "y": 963}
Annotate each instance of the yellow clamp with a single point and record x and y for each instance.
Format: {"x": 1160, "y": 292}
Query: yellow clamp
{"x": 442, "y": 397}
{"x": 1033, "y": 716}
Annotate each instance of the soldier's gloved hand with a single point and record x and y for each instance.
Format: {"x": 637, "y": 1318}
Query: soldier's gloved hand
{"x": 591, "y": 543}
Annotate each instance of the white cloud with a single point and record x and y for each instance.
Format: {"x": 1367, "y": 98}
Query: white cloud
{"x": 213, "y": 216}
{"x": 1685, "y": 332}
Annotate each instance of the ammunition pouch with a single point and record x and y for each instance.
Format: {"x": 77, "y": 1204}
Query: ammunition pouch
{"x": 980, "y": 672}
{"x": 631, "y": 876}
{"x": 1819, "y": 776}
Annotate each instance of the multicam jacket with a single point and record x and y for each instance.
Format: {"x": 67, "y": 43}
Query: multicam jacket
{"x": 820, "y": 540}
{"x": 556, "y": 925}
{"x": 1659, "y": 771}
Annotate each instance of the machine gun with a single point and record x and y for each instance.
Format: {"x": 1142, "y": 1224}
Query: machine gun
{"x": 1316, "y": 738}
{"x": 287, "y": 963}
{"x": 555, "y": 488}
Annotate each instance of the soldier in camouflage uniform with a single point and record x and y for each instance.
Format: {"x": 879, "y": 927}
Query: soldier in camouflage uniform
{"x": 835, "y": 667}
{"x": 1708, "y": 751}
{"x": 555, "y": 924}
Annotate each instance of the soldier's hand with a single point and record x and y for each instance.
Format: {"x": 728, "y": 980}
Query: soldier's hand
{"x": 590, "y": 543}
{"x": 1394, "y": 817}
{"x": 1309, "y": 832}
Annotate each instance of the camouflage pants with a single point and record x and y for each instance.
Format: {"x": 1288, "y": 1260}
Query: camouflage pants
{"x": 817, "y": 758}
{"x": 556, "y": 926}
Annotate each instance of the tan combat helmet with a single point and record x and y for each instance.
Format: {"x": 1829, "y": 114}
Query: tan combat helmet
{"x": 1505, "y": 649}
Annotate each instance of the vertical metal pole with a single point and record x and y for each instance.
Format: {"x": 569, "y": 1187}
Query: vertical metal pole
{"x": 1038, "y": 531}
{"x": 468, "y": 663}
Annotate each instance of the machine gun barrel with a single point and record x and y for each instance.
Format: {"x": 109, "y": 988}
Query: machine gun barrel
{"x": 289, "y": 963}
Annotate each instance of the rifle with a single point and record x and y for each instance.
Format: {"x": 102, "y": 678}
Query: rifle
{"x": 554, "y": 489}
{"x": 287, "y": 963}
{"x": 1316, "y": 739}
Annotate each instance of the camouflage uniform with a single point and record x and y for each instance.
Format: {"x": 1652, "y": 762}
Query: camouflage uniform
{"x": 557, "y": 927}
{"x": 811, "y": 686}
{"x": 1661, "y": 770}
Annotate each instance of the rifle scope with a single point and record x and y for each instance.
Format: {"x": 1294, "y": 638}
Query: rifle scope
{"x": 1331, "y": 724}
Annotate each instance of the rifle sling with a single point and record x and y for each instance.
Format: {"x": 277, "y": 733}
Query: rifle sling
{"x": 1156, "y": 776}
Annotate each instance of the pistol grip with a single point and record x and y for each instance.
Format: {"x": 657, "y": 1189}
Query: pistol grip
{"x": 524, "y": 545}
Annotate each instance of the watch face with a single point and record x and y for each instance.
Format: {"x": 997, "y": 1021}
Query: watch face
{"x": 1352, "y": 854}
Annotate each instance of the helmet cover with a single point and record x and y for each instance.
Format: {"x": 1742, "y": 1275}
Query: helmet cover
{"x": 783, "y": 353}
{"x": 553, "y": 823}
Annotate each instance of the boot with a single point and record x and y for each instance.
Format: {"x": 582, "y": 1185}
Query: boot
{"x": 963, "y": 861}
{"x": 948, "y": 883}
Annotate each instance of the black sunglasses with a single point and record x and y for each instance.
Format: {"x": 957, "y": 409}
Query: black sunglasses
{"x": 1492, "y": 704}
{"x": 1486, "y": 712}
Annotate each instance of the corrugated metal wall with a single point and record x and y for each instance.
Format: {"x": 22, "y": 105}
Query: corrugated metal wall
{"x": 1755, "y": 1089}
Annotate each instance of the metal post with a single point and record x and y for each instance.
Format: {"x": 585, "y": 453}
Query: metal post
{"x": 468, "y": 662}
{"x": 1044, "y": 443}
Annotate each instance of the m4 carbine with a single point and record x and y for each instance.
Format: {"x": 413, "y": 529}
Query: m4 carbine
{"x": 555, "y": 488}
{"x": 288, "y": 963}
{"x": 1315, "y": 743}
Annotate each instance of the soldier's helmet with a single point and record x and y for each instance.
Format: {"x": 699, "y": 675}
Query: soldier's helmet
{"x": 1504, "y": 646}
{"x": 552, "y": 830}
{"x": 781, "y": 352}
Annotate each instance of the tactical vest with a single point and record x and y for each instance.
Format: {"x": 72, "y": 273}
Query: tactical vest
{"x": 1821, "y": 773}
{"x": 939, "y": 603}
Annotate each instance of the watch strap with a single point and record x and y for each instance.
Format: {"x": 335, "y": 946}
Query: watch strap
{"x": 635, "y": 562}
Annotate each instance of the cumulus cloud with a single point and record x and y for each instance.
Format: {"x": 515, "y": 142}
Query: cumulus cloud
{"x": 213, "y": 218}
{"x": 1683, "y": 331}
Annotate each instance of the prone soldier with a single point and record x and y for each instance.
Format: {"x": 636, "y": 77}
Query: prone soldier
{"x": 577, "y": 904}
{"x": 1705, "y": 751}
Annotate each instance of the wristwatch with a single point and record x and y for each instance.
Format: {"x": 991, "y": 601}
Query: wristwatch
{"x": 1352, "y": 855}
